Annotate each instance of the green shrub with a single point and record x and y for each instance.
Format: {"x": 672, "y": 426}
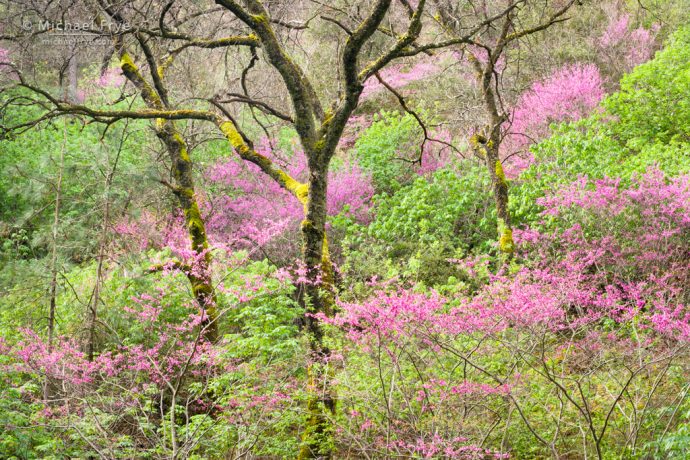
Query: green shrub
{"x": 381, "y": 146}
{"x": 653, "y": 104}
{"x": 646, "y": 123}
{"x": 418, "y": 228}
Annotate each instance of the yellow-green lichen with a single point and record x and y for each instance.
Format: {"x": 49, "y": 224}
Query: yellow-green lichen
{"x": 130, "y": 70}
{"x": 505, "y": 242}
{"x": 478, "y": 143}
{"x": 306, "y": 223}
{"x": 320, "y": 144}
{"x": 500, "y": 175}
{"x": 233, "y": 136}
{"x": 195, "y": 227}
{"x": 260, "y": 19}
{"x": 297, "y": 188}
{"x": 167, "y": 62}
{"x": 327, "y": 119}
{"x": 301, "y": 191}
{"x": 126, "y": 62}
{"x": 328, "y": 116}
{"x": 184, "y": 155}
{"x": 326, "y": 256}
{"x": 183, "y": 146}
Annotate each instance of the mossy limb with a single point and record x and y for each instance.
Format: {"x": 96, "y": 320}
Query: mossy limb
{"x": 500, "y": 175}
{"x": 505, "y": 242}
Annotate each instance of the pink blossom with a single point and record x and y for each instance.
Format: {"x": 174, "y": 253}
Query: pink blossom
{"x": 622, "y": 48}
{"x": 111, "y": 78}
{"x": 396, "y": 77}
{"x": 568, "y": 94}
{"x": 255, "y": 209}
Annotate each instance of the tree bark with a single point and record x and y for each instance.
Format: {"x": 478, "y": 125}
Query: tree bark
{"x": 488, "y": 150}
{"x": 48, "y": 386}
{"x": 320, "y": 298}
{"x": 181, "y": 166}
{"x": 200, "y": 273}
{"x": 487, "y": 146}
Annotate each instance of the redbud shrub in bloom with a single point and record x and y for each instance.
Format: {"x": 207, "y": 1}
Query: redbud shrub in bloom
{"x": 568, "y": 94}
{"x": 643, "y": 124}
{"x": 243, "y": 209}
{"x": 599, "y": 290}
{"x": 156, "y": 387}
{"x": 620, "y": 48}
{"x": 247, "y": 209}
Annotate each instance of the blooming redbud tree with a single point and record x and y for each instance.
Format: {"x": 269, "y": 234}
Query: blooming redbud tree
{"x": 533, "y": 350}
{"x": 568, "y": 94}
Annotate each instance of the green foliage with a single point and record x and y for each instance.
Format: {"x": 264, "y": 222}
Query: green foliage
{"x": 652, "y": 106}
{"x": 28, "y": 182}
{"x": 21, "y": 437}
{"x": 29, "y": 171}
{"x": 676, "y": 444}
{"x": 381, "y": 146}
{"x": 265, "y": 325}
{"x": 646, "y": 123}
{"x": 447, "y": 208}
{"x": 419, "y": 227}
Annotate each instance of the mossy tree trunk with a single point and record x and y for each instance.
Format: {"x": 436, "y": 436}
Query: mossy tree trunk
{"x": 319, "y": 291}
{"x": 199, "y": 274}
{"x": 156, "y": 97}
{"x": 487, "y": 146}
{"x": 488, "y": 48}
